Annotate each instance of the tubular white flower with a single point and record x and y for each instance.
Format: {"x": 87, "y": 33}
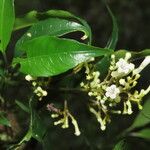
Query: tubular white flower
{"x": 129, "y": 111}
{"x": 112, "y": 91}
{"x": 77, "y": 131}
{"x": 145, "y": 62}
{"x": 128, "y": 56}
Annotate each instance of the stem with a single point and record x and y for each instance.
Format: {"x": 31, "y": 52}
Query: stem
{"x": 2, "y": 99}
{"x": 5, "y": 59}
{"x": 68, "y": 90}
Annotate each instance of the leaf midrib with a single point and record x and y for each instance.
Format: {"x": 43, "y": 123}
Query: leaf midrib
{"x": 65, "y": 53}
{"x": 98, "y": 53}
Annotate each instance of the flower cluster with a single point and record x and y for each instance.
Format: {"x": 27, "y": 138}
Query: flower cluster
{"x": 64, "y": 115}
{"x": 115, "y": 93}
{"x": 36, "y": 86}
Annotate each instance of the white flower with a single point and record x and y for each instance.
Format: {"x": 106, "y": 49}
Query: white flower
{"x": 124, "y": 66}
{"x": 40, "y": 92}
{"x": 29, "y": 77}
{"x": 82, "y": 84}
{"x": 128, "y": 56}
{"x": 145, "y": 62}
{"x": 29, "y": 34}
{"x": 112, "y": 56}
{"x": 44, "y": 93}
{"x": 122, "y": 81}
{"x": 112, "y": 91}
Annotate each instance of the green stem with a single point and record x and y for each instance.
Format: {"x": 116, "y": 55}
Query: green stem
{"x": 68, "y": 90}
{"x": 5, "y": 59}
{"x": 2, "y": 99}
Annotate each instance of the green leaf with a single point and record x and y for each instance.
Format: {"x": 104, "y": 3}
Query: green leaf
{"x": 27, "y": 20}
{"x": 7, "y": 17}
{"x": 142, "y": 53}
{"x": 114, "y": 35}
{"x": 49, "y": 56}
{"x": 22, "y": 106}
{"x": 33, "y": 17}
{"x": 135, "y": 55}
{"x": 26, "y": 138}
{"x": 102, "y": 66}
{"x": 143, "y": 118}
{"x": 66, "y": 14}
{"x": 52, "y": 27}
{"x": 3, "y": 120}
{"x": 1, "y": 72}
{"x": 104, "y": 63}
{"x": 38, "y": 127}
{"x": 121, "y": 145}
{"x": 145, "y": 133}
{"x": 37, "y": 124}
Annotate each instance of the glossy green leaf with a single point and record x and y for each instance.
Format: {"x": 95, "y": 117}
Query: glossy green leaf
{"x": 66, "y": 14}
{"x": 37, "y": 126}
{"x": 102, "y": 66}
{"x": 145, "y": 133}
{"x": 114, "y": 35}
{"x": 7, "y": 17}
{"x": 143, "y": 118}
{"x": 3, "y": 120}
{"x": 52, "y": 27}
{"x": 33, "y": 17}
{"x": 49, "y": 56}
{"x": 121, "y": 145}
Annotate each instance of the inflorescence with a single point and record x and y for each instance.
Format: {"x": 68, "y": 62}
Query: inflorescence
{"x": 38, "y": 90}
{"x": 64, "y": 117}
{"x": 115, "y": 94}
